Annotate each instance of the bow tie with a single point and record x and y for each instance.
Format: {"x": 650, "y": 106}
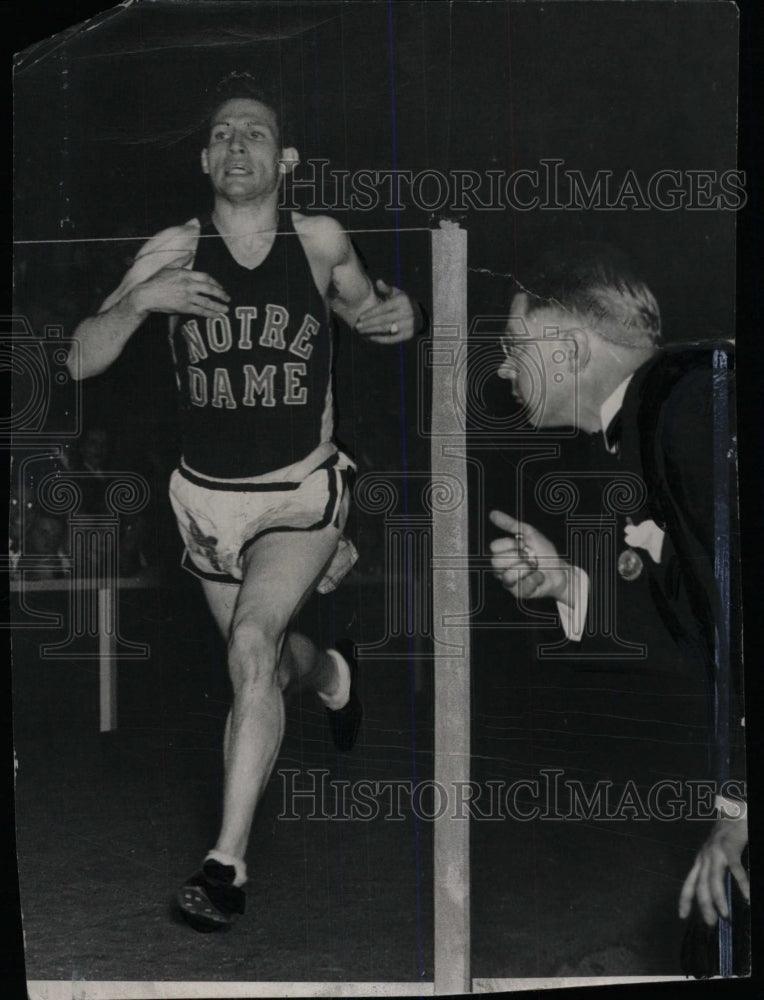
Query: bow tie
{"x": 612, "y": 434}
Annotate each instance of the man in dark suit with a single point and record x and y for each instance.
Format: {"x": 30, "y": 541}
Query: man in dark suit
{"x": 649, "y": 611}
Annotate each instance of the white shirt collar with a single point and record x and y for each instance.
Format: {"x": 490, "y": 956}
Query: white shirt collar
{"x": 613, "y": 403}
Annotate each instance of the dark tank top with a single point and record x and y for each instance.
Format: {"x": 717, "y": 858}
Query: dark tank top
{"x": 255, "y": 384}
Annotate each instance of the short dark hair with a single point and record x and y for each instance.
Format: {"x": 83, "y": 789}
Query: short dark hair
{"x": 599, "y": 283}
{"x": 241, "y": 84}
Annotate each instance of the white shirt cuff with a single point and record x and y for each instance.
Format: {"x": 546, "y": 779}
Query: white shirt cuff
{"x": 573, "y": 618}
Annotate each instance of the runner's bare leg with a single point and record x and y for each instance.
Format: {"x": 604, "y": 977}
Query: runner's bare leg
{"x": 300, "y": 659}
{"x": 281, "y": 570}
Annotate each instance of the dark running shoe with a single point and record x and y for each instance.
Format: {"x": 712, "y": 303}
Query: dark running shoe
{"x": 209, "y": 900}
{"x": 345, "y": 722}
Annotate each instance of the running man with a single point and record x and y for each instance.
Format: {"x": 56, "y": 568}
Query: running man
{"x": 261, "y": 492}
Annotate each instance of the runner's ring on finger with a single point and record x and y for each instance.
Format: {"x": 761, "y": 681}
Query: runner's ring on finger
{"x": 394, "y": 328}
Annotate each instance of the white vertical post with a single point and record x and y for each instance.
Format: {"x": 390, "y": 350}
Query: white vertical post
{"x": 107, "y": 656}
{"x": 450, "y": 598}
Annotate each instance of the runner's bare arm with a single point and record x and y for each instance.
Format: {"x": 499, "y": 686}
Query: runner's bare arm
{"x": 158, "y": 281}
{"x": 384, "y": 314}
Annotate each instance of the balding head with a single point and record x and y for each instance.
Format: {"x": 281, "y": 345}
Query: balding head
{"x": 582, "y": 321}
{"x": 601, "y": 286}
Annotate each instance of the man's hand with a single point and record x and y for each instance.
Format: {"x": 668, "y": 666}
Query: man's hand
{"x": 398, "y": 317}
{"x": 706, "y": 882}
{"x": 177, "y": 290}
{"x": 526, "y": 563}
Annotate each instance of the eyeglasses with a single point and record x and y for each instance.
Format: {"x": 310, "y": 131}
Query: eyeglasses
{"x": 511, "y": 345}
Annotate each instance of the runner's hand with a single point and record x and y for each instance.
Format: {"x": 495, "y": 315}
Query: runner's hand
{"x": 177, "y": 290}
{"x": 397, "y": 317}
